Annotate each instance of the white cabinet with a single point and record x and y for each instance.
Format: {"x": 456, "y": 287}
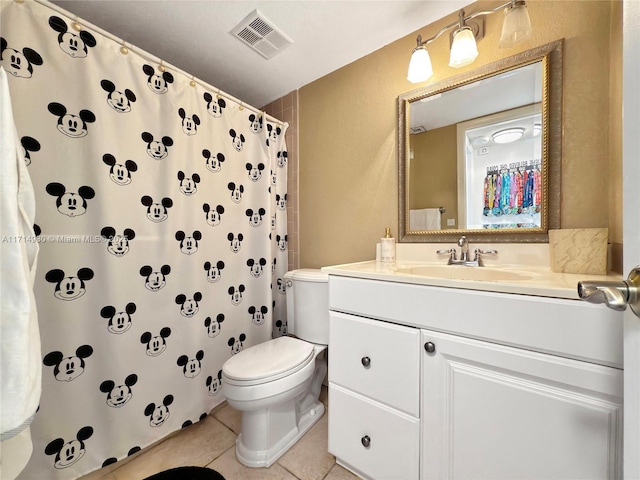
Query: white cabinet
{"x": 516, "y": 387}
{"x": 374, "y": 392}
{"x": 496, "y": 412}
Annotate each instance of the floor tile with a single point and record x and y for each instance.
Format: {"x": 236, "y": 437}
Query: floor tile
{"x": 196, "y": 445}
{"x": 231, "y": 469}
{"x": 340, "y": 473}
{"x": 309, "y": 459}
{"x": 230, "y": 417}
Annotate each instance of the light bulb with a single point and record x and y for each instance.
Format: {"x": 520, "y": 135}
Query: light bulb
{"x": 516, "y": 25}
{"x": 464, "y": 49}
{"x": 420, "y": 65}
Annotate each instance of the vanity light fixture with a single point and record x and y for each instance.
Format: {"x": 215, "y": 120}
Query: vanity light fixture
{"x": 508, "y": 135}
{"x": 464, "y": 50}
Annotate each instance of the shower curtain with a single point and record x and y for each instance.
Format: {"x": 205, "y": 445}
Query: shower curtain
{"x": 162, "y": 232}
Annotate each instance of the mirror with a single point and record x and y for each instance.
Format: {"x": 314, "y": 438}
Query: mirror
{"x": 480, "y": 153}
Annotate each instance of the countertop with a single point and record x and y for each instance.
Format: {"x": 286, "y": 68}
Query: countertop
{"x": 539, "y": 281}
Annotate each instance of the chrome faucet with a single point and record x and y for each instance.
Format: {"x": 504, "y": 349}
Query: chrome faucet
{"x": 463, "y": 243}
{"x": 464, "y": 249}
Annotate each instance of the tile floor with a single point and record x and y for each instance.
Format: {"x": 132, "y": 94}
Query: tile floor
{"x": 211, "y": 443}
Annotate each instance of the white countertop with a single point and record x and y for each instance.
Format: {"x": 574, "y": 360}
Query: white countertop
{"x": 540, "y": 281}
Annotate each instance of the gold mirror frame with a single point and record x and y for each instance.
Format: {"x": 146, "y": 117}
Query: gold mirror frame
{"x": 551, "y": 57}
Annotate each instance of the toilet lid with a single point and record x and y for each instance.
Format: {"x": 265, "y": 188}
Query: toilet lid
{"x": 268, "y": 359}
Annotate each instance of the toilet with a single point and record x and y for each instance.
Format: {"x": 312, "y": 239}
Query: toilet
{"x": 276, "y": 384}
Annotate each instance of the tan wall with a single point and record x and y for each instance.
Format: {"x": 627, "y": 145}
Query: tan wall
{"x": 615, "y": 139}
{"x": 433, "y": 170}
{"x": 348, "y": 130}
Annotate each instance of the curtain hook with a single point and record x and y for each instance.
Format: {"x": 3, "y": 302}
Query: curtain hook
{"x": 193, "y": 81}
{"x": 241, "y": 107}
{"x": 218, "y": 96}
{"x": 123, "y": 49}
{"x": 161, "y": 67}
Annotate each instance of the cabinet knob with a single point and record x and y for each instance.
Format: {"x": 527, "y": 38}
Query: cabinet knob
{"x": 366, "y": 362}
{"x": 430, "y": 347}
{"x": 366, "y": 441}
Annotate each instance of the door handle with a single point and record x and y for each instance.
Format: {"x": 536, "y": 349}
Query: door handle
{"x": 616, "y": 295}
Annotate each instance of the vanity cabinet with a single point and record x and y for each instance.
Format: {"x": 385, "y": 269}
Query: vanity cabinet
{"x": 496, "y": 412}
{"x": 443, "y": 383}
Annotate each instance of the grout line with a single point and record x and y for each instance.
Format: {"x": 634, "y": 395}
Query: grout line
{"x": 286, "y": 469}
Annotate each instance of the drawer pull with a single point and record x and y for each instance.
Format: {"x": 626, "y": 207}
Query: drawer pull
{"x": 430, "y": 347}
{"x": 366, "y": 441}
{"x": 366, "y": 363}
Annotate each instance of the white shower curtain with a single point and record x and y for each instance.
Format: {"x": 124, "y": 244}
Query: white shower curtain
{"x": 162, "y": 238}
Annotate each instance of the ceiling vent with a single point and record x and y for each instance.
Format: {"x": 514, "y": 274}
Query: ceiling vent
{"x": 418, "y": 129}
{"x": 261, "y": 35}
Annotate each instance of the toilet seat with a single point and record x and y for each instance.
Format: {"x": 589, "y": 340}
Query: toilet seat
{"x": 268, "y": 361}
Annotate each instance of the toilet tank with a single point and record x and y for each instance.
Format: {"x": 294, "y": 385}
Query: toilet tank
{"x": 307, "y": 292}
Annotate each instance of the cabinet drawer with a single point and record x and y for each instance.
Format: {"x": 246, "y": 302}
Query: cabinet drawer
{"x": 377, "y": 359}
{"x": 393, "y": 448}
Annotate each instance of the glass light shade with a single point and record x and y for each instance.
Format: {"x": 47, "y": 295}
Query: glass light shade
{"x": 516, "y": 25}
{"x": 464, "y": 49}
{"x": 419, "y": 66}
{"x": 508, "y": 135}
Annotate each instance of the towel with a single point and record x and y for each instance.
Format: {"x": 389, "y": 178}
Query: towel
{"x": 20, "y": 358}
{"x": 425, "y": 219}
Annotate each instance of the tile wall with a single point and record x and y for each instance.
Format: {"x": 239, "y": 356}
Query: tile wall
{"x": 286, "y": 109}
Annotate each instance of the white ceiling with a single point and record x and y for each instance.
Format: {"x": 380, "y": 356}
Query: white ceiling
{"x": 193, "y": 35}
{"x": 499, "y": 93}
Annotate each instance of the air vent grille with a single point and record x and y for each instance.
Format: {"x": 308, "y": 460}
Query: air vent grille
{"x": 248, "y": 36}
{"x": 260, "y": 26}
{"x": 261, "y": 35}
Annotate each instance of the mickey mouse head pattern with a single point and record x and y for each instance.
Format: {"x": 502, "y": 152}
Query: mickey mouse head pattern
{"x": 66, "y": 454}
{"x": 19, "y": 63}
{"x": 159, "y": 198}
{"x": 71, "y": 124}
{"x": 157, "y": 82}
{"x": 67, "y": 369}
{"x": 69, "y": 287}
{"x": 119, "y": 101}
{"x": 120, "y": 173}
{"x": 119, "y": 395}
{"x": 75, "y": 46}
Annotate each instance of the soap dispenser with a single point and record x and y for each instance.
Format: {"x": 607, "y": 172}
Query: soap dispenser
{"x": 388, "y": 247}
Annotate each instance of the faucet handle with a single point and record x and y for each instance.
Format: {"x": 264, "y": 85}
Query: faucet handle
{"x": 448, "y": 251}
{"x": 485, "y": 252}
{"x": 479, "y": 253}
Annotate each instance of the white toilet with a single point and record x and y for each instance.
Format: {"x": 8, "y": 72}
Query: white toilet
{"x": 276, "y": 384}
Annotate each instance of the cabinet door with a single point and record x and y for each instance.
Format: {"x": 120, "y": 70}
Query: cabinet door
{"x": 372, "y": 439}
{"x": 378, "y": 359}
{"x": 496, "y": 412}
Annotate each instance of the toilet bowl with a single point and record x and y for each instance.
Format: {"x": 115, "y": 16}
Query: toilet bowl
{"x": 276, "y": 384}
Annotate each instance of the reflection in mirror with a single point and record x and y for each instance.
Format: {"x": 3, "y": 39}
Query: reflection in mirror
{"x": 480, "y": 154}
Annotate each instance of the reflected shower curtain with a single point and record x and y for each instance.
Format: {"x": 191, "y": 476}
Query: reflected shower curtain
{"x": 162, "y": 232}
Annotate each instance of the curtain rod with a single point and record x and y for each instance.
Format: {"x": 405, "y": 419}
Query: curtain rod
{"x": 152, "y": 58}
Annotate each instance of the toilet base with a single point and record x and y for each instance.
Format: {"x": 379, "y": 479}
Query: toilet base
{"x": 252, "y": 457}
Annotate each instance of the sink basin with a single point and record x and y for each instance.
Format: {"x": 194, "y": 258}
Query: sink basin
{"x": 460, "y": 272}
